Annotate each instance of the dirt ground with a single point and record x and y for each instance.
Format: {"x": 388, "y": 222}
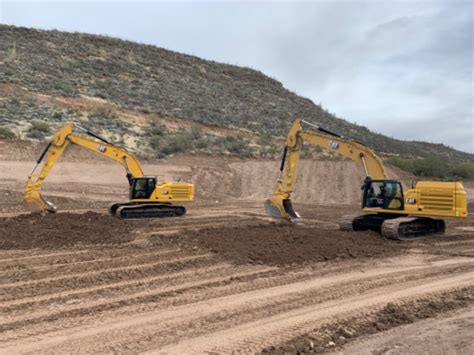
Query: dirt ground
{"x": 226, "y": 277}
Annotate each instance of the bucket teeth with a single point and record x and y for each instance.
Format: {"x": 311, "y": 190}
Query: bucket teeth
{"x": 50, "y": 207}
{"x": 289, "y": 209}
{"x": 281, "y": 209}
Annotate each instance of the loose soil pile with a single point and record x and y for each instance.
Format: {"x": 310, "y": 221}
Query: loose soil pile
{"x": 51, "y": 231}
{"x": 275, "y": 244}
{"x": 392, "y": 315}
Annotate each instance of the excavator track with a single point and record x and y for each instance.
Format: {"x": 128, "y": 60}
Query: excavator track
{"x": 146, "y": 210}
{"x": 392, "y": 227}
{"x": 348, "y": 223}
{"x": 411, "y": 228}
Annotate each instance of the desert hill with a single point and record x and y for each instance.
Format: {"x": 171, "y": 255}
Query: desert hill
{"x": 121, "y": 89}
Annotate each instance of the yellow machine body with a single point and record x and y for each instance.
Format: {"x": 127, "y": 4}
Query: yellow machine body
{"x": 170, "y": 191}
{"x": 433, "y": 198}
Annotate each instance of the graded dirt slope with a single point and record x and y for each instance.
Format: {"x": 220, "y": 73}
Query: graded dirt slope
{"x": 88, "y": 180}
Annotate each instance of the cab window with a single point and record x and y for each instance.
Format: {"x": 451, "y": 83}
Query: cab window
{"x": 384, "y": 195}
{"x": 142, "y": 188}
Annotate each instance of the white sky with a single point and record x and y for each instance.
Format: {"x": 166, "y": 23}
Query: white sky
{"x": 404, "y": 69}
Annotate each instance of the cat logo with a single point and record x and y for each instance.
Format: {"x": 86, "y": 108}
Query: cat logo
{"x": 101, "y": 148}
{"x": 333, "y": 144}
{"x": 410, "y": 200}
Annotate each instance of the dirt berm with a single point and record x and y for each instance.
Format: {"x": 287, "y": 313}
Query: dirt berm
{"x": 266, "y": 243}
{"x": 52, "y": 231}
{"x": 276, "y": 244}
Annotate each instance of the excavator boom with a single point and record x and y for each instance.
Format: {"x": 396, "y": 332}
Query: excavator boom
{"x": 55, "y": 149}
{"x": 148, "y": 199}
{"x": 389, "y": 210}
{"x": 279, "y": 205}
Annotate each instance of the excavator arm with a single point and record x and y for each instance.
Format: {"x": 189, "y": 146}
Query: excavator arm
{"x": 55, "y": 149}
{"x": 279, "y": 205}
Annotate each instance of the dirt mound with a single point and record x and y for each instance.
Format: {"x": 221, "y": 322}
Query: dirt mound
{"x": 53, "y": 231}
{"x": 275, "y": 244}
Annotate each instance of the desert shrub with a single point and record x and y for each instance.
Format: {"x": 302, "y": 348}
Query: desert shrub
{"x": 234, "y": 144}
{"x": 6, "y": 133}
{"x": 156, "y": 131}
{"x": 464, "y": 170}
{"x": 104, "y": 111}
{"x": 264, "y": 139}
{"x": 177, "y": 143}
{"x": 238, "y": 146}
{"x": 14, "y": 101}
{"x": 157, "y": 136}
{"x": 11, "y": 53}
{"x": 64, "y": 89}
{"x": 57, "y": 116}
{"x": 432, "y": 167}
{"x": 38, "y": 129}
{"x": 203, "y": 142}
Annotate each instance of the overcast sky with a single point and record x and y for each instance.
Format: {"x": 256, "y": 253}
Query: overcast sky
{"x": 404, "y": 69}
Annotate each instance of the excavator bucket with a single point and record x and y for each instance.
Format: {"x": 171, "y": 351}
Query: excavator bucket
{"x": 281, "y": 208}
{"x": 32, "y": 195}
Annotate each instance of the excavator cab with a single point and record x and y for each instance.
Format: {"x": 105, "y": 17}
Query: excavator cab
{"x": 383, "y": 194}
{"x": 142, "y": 187}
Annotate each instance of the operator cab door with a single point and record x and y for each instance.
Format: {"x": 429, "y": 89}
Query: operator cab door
{"x": 142, "y": 188}
{"x": 383, "y": 194}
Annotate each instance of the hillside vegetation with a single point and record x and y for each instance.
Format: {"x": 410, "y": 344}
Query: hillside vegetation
{"x": 125, "y": 79}
{"x": 431, "y": 167}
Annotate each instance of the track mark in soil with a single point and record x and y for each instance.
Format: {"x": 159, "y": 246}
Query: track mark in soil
{"x": 162, "y": 318}
{"x": 256, "y": 335}
{"x": 108, "y": 270}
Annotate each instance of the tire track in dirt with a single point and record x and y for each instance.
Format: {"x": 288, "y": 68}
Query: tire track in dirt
{"x": 256, "y": 335}
{"x": 129, "y": 286}
{"x": 113, "y": 287}
{"x": 120, "y": 301}
{"x": 94, "y": 261}
{"x": 100, "y": 277}
{"x": 104, "y": 264}
{"x": 169, "y": 283}
{"x": 31, "y": 255}
{"x": 83, "y": 273}
{"x": 42, "y": 256}
{"x": 269, "y": 296}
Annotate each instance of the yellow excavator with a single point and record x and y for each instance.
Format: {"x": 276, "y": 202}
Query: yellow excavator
{"x": 395, "y": 213}
{"x": 147, "y": 198}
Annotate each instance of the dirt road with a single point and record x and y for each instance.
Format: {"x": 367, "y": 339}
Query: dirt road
{"x": 224, "y": 278}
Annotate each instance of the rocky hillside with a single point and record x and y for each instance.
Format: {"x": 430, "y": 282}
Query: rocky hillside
{"x": 141, "y": 93}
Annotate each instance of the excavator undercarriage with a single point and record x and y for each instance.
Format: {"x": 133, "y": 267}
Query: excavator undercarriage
{"x": 399, "y": 227}
{"x": 132, "y": 210}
